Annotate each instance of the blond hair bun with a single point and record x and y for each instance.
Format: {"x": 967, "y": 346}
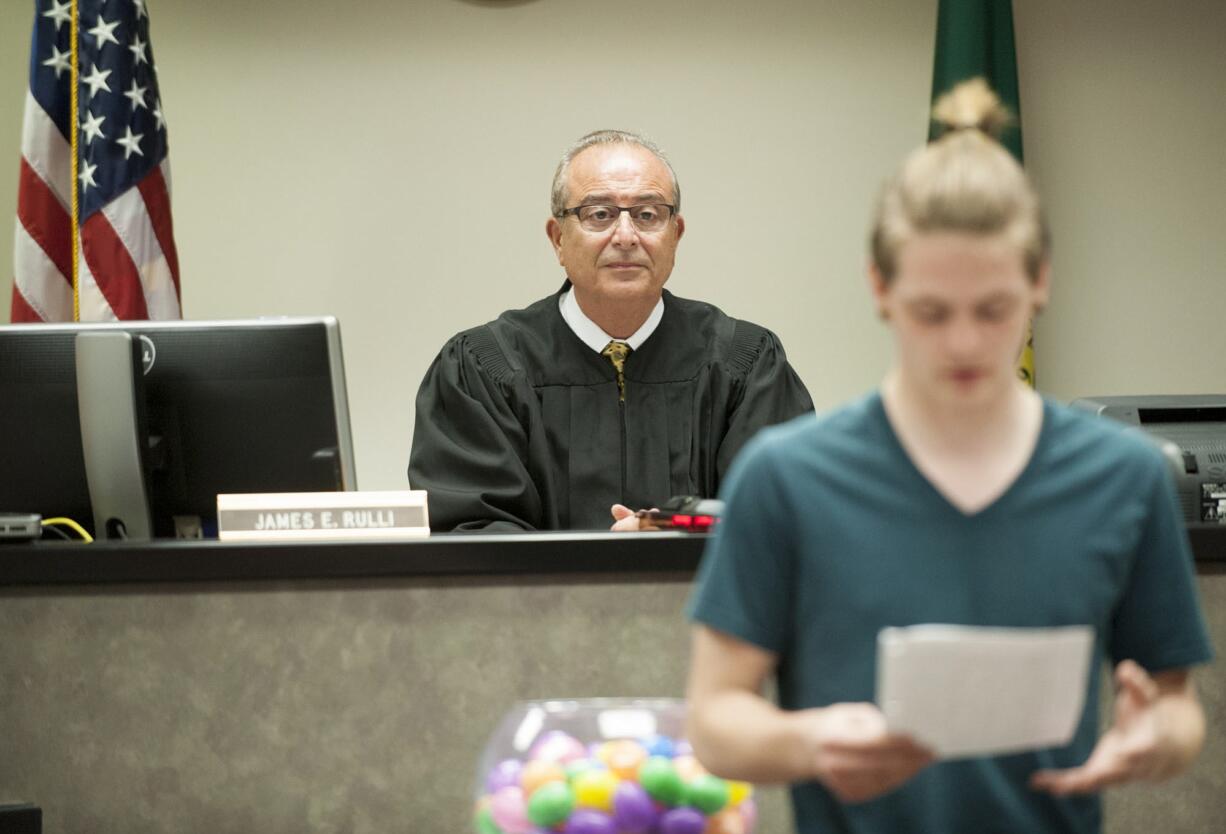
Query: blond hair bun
{"x": 966, "y": 181}
{"x": 972, "y": 105}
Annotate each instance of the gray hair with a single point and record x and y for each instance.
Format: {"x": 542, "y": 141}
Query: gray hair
{"x": 557, "y": 197}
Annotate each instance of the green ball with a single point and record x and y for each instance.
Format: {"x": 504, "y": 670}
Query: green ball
{"x": 485, "y": 822}
{"x": 707, "y": 793}
{"x": 550, "y": 804}
{"x": 661, "y": 780}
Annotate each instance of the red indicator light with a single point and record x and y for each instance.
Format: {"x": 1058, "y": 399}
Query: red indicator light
{"x": 682, "y": 520}
{"x": 704, "y": 521}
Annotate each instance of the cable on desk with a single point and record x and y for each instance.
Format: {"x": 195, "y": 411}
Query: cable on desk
{"x": 51, "y": 528}
{"x": 69, "y": 523}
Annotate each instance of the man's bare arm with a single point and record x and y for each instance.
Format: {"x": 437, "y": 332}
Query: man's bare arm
{"x": 738, "y": 734}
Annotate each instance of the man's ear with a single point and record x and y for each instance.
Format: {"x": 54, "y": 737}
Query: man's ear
{"x": 553, "y": 231}
{"x": 680, "y": 221}
{"x": 1042, "y": 286}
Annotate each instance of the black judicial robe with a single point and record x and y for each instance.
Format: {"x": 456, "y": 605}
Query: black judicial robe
{"x": 519, "y": 424}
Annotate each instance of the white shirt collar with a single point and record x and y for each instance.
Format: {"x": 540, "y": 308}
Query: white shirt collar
{"x": 589, "y": 332}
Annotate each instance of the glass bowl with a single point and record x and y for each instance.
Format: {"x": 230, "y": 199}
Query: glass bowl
{"x": 602, "y": 766}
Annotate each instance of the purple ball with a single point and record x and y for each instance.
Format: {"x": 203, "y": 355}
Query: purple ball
{"x": 682, "y": 748}
{"x": 584, "y": 821}
{"x": 682, "y": 821}
{"x": 505, "y": 774}
{"x": 634, "y": 812}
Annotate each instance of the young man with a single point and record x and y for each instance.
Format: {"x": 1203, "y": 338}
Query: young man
{"x": 957, "y": 495}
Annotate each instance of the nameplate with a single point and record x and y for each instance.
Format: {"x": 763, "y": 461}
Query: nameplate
{"x": 317, "y": 516}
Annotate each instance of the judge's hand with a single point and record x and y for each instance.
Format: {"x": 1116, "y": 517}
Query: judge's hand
{"x": 625, "y": 520}
{"x": 1142, "y": 744}
{"x": 856, "y": 757}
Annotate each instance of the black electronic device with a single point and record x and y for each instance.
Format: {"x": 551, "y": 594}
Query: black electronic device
{"x": 230, "y": 406}
{"x": 691, "y": 513}
{"x": 20, "y": 818}
{"x": 1190, "y": 429}
{"x": 20, "y": 527}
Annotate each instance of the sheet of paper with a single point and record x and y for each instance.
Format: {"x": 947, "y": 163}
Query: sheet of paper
{"x": 973, "y": 691}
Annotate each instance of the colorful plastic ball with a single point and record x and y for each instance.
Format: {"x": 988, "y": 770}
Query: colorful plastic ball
{"x": 707, "y": 793}
{"x": 634, "y": 811}
{"x": 600, "y": 752}
{"x": 557, "y": 746}
{"x": 749, "y": 811}
{"x": 683, "y": 748}
{"x": 623, "y": 757}
{"x": 537, "y": 773}
{"x": 688, "y": 767}
{"x": 484, "y": 821}
{"x": 682, "y": 821}
{"x": 659, "y": 745}
{"x": 510, "y": 812}
{"x": 660, "y": 778}
{"x": 738, "y": 792}
{"x": 503, "y": 775}
{"x": 573, "y": 769}
{"x": 590, "y": 822}
{"x": 594, "y": 789}
{"x": 727, "y": 821}
{"x": 551, "y": 804}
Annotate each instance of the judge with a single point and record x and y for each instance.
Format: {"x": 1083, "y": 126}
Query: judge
{"x": 609, "y": 394}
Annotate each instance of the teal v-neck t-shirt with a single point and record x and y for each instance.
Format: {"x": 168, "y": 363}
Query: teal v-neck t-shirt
{"x": 831, "y": 534}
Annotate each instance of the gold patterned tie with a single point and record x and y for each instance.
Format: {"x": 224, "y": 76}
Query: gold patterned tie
{"x": 617, "y": 353}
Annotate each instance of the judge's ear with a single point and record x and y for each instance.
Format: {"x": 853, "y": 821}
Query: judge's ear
{"x": 680, "y": 221}
{"x": 879, "y": 288}
{"x": 553, "y": 231}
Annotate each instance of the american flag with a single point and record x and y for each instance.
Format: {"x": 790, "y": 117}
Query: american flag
{"x": 127, "y": 266}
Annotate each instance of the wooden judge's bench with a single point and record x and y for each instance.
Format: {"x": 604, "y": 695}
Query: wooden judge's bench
{"x": 208, "y": 687}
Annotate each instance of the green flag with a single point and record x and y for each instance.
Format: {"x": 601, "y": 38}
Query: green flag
{"x": 975, "y": 39}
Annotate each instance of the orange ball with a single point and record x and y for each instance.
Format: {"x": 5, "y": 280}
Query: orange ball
{"x": 538, "y": 772}
{"x": 688, "y": 767}
{"x": 727, "y": 821}
{"x": 623, "y": 757}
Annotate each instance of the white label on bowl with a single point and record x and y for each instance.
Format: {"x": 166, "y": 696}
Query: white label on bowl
{"x": 627, "y": 723}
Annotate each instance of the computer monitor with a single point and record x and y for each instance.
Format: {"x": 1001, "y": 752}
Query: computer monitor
{"x": 230, "y": 406}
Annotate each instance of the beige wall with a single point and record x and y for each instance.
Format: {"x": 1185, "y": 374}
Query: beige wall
{"x": 388, "y": 162}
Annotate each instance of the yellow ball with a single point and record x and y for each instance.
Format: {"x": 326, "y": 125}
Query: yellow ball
{"x": 738, "y": 792}
{"x": 594, "y": 789}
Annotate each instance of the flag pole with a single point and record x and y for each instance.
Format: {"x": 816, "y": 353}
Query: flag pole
{"x": 74, "y": 117}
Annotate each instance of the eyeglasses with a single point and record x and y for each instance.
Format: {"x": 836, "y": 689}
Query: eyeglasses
{"x": 649, "y": 217}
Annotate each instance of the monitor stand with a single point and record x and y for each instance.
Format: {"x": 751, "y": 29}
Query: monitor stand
{"x": 110, "y": 398}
